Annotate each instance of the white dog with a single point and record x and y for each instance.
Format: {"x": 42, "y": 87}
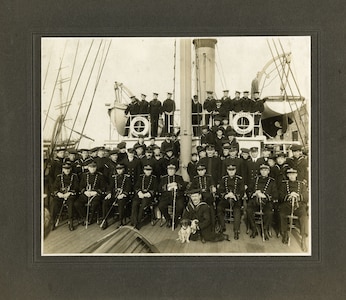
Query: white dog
{"x": 185, "y": 231}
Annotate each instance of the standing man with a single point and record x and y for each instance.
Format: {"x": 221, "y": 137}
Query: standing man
{"x": 155, "y": 110}
{"x": 132, "y": 109}
{"x": 236, "y": 103}
{"x": 299, "y": 163}
{"x": 168, "y": 108}
{"x": 196, "y": 115}
{"x": 209, "y": 105}
{"x": 246, "y": 102}
{"x": 143, "y": 105}
{"x": 226, "y": 104}
{"x": 257, "y": 108}
{"x": 294, "y": 199}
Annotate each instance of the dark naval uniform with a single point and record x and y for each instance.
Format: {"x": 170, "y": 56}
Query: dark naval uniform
{"x": 213, "y": 165}
{"x": 196, "y": 110}
{"x": 233, "y": 185}
{"x": 120, "y": 184}
{"x": 132, "y": 109}
{"x": 209, "y": 105}
{"x": 167, "y": 184}
{"x": 64, "y": 184}
{"x": 301, "y": 165}
{"x": 146, "y": 184}
{"x": 204, "y": 184}
{"x": 202, "y": 213}
{"x": 133, "y": 168}
{"x": 90, "y": 182}
{"x": 268, "y": 187}
{"x": 168, "y": 107}
{"x": 299, "y": 206}
{"x": 155, "y": 109}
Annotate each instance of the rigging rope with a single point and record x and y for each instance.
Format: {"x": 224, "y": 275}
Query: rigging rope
{"x": 56, "y": 81}
{"x": 80, "y": 74}
{"x": 96, "y": 85}
{"x": 295, "y": 102}
{"x": 284, "y": 90}
{"x": 92, "y": 69}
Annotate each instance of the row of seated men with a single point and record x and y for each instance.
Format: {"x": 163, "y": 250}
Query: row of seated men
{"x": 204, "y": 171}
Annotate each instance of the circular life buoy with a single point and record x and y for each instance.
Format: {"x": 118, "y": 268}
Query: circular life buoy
{"x": 243, "y": 123}
{"x": 139, "y": 125}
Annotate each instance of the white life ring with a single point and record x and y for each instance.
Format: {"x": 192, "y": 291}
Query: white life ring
{"x": 245, "y": 128}
{"x": 137, "y": 129}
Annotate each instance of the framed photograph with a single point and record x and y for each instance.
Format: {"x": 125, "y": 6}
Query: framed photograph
{"x": 176, "y": 146}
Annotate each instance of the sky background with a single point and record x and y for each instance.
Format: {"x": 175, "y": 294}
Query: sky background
{"x": 146, "y": 65}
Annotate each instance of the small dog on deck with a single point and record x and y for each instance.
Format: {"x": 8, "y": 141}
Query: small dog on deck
{"x": 185, "y": 231}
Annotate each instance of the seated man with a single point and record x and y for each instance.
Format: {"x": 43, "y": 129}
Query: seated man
{"x": 145, "y": 191}
{"x": 294, "y": 196}
{"x": 117, "y": 192}
{"x": 231, "y": 192}
{"x": 262, "y": 192}
{"x": 172, "y": 188}
{"x": 197, "y": 209}
{"x": 92, "y": 186}
{"x": 65, "y": 190}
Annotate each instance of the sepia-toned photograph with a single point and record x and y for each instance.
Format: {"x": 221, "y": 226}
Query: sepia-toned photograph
{"x": 176, "y": 146}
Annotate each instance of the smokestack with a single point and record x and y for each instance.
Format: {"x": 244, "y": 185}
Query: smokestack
{"x": 205, "y": 62}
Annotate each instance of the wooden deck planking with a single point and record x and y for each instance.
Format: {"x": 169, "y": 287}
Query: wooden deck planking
{"x": 62, "y": 241}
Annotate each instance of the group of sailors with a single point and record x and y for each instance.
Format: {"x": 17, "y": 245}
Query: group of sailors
{"x": 213, "y": 109}
{"x": 220, "y": 176}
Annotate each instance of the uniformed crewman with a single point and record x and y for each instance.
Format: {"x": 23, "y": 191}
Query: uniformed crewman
{"x": 168, "y": 108}
{"x": 299, "y": 163}
{"x": 199, "y": 210}
{"x": 155, "y": 110}
{"x": 226, "y": 103}
{"x": 146, "y": 189}
{"x": 246, "y": 102}
{"x": 262, "y": 192}
{"x": 294, "y": 199}
{"x": 118, "y": 191}
{"x": 192, "y": 166}
{"x": 65, "y": 190}
{"x": 209, "y": 105}
{"x": 172, "y": 188}
{"x": 258, "y": 108}
{"x": 92, "y": 186}
{"x": 236, "y": 103}
{"x": 231, "y": 192}
{"x": 133, "y": 166}
{"x": 196, "y": 115}
{"x": 131, "y": 110}
{"x": 253, "y": 166}
{"x": 143, "y": 105}
{"x": 212, "y": 163}
{"x": 205, "y": 183}
{"x": 83, "y": 161}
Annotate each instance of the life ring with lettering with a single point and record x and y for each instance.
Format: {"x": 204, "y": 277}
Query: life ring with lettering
{"x": 139, "y": 125}
{"x": 243, "y": 123}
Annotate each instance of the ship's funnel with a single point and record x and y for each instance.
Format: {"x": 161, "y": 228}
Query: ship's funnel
{"x": 205, "y": 65}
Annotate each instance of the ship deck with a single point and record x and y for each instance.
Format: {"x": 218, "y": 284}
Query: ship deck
{"x": 61, "y": 241}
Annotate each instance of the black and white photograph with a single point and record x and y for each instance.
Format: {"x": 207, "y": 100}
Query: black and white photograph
{"x": 176, "y": 146}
